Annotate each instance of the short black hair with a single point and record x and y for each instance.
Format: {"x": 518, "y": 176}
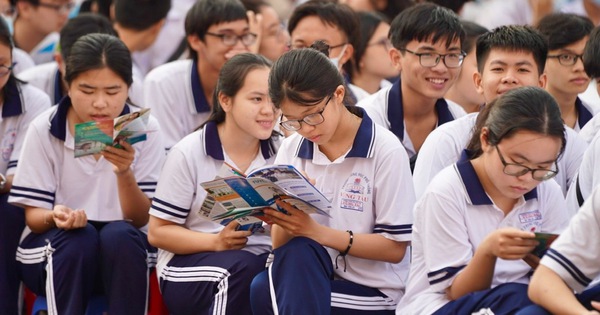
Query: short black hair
{"x": 454, "y": 5}
{"x": 591, "y": 54}
{"x": 563, "y": 29}
{"x": 83, "y": 24}
{"x": 140, "y": 14}
{"x": 425, "y": 21}
{"x": 513, "y": 38}
{"x": 472, "y": 32}
{"x": 254, "y": 5}
{"x": 368, "y": 21}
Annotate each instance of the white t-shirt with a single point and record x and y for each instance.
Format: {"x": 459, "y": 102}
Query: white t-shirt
{"x": 22, "y": 61}
{"x": 452, "y": 219}
{"x": 588, "y": 176}
{"x": 371, "y": 192}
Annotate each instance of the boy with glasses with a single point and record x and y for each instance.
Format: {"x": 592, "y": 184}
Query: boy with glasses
{"x": 180, "y": 93}
{"x": 427, "y": 51}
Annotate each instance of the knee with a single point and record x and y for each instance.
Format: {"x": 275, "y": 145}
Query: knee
{"x": 76, "y": 241}
{"x": 260, "y": 291}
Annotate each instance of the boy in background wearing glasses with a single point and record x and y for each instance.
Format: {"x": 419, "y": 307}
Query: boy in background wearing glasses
{"x": 427, "y": 51}
{"x": 37, "y": 24}
{"x": 180, "y": 93}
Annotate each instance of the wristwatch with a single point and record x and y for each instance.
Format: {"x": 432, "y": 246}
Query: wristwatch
{"x": 2, "y": 181}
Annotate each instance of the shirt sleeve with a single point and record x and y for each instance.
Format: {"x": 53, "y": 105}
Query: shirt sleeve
{"x": 150, "y": 158}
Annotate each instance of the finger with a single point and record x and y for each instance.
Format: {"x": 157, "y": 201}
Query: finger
{"x": 232, "y": 226}
{"x": 596, "y": 305}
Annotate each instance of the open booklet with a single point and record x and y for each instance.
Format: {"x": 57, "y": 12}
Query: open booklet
{"x": 92, "y": 136}
{"x": 545, "y": 240}
{"x": 243, "y": 198}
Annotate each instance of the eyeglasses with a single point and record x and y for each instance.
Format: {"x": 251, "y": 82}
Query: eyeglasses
{"x": 430, "y": 60}
{"x": 232, "y": 39}
{"x": 383, "y": 42}
{"x": 296, "y": 46}
{"x": 567, "y": 59}
{"x": 4, "y": 70}
{"x": 311, "y": 120}
{"x": 514, "y": 169}
{"x": 60, "y": 8}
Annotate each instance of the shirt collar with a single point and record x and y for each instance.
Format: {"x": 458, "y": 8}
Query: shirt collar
{"x": 362, "y": 146}
{"x": 214, "y": 148}
{"x": 473, "y": 185}
{"x": 58, "y": 121}
{"x": 13, "y": 104}
{"x": 200, "y": 102}
{"x": 395, "y": 111}
{"x": 58, "y": 92}
{"x": 584, "y": 115}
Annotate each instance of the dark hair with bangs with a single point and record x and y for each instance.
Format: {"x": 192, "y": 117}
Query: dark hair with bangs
{"x": 563, "y": 29}
{"x": 591, "y": 54}
{"x": 83, "y": 24}
{"x": 369, "y": 22}
{"x": 205, "y": 13}
{"x": 513, "y": 38}
{"x": 425, "y": 21}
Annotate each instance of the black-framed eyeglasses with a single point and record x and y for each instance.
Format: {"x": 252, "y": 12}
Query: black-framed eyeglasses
{"x": 232, "y": 39}
{"x": 4, "y": 70}
{"x": 430, "y": 60}
{"x": 311, "y": 119}
{"x": 567, "y": 59}
{"x": 514, "y": 169}
{"x": 383, "y": 42}
{"x": 60, "y": 8}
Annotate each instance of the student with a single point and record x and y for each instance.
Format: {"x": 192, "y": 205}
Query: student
{"x": 37, "y": 24}
{"x": 427, "y": 51}
{"x": 592, "y": 68}
{"x": 363, "y": 169}
{"x": 474, "y": 225}
{"x": 507, "y": 57}
{"x": 336, "y": 25}
{"x": 20, "y": 104}
{"x": 567, "y": 35}
{"x": 180, "y": 93}
{"x": 87, "y": 236}
{"x": 569, "y": 266}
{"x": 463, "y": 91}
{"x": 371, "y": 65}
{"x": 204, "y": 267}
{"x": 49, "y": 76}
{"x": 274, "y": 39}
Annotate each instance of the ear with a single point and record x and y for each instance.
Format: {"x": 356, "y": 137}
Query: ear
{"x": 483, "y": 139}
{"x": 24, "y": 8}
{"x": 156, "y": 27}
{"x": 195, "y": 43}
{"x": 348, "y": 53}
{"x": 111, "y": 12}
{"x": 396, "y": 58}
{"x": 339, "y": 94}
{"x": 477, "y": 80}
{"x": 60, "y": 63}
{"x": 225, "y": 102}
{"x": 543, "y": 80}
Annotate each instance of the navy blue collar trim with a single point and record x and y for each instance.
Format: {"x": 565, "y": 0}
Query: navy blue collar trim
{"x": 472, "y": 184}
{"x": 395, "y": 110}
{"x": 361, "y": 146}
{"x": 214, "y": 148}
{"x": 58, "y": 121}
{"x": 58, "y": 91}
{"x": 200, "y": 101}
{"x": 13, "y": 104}
{"x": 583, "y": 113}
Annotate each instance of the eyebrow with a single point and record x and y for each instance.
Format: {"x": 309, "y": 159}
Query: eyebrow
{"x": 566, "y": 51}
{"x": 430, "y": 48}
{"x": 87, "y": 86}
{"x": 521, "y": 156}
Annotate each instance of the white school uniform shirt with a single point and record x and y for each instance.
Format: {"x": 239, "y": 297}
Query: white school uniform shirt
{"x": 21, "y": 106}
{"x": 385, "y": 108}
{"x": 174, "y": 93}
{"x": 48, "y": 173}
{"x": 588, "y": 176}
{"x": 22, "y": 61}
{"x": 44, "y": 51}
{"x": 589, "y": 131}
{"x": 197, "y": 158}
{"x": 575, "y": 254}
{"x": 586, "y": 111}
{"x": 445, "y": 144}
{"x": 371, "y": 192}
{"x": 48, "y": 78}
{"x": 453, "y": 217}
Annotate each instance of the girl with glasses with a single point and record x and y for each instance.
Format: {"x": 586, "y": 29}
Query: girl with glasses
{"x": 474, "y": 225}
{"x": 353, "y": 262}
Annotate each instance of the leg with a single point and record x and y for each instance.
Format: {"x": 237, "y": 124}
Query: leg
{"x": 301, "y": 271}
{"x": 11, "y": 227}
{"x": 211, "y": 282}
{"x": 506, "y": 298}
{"x": 348, "y": 298}
{"x": 125, "y": 269}
{"x": 60, "y": 265}
{"x": 585, "y": 298}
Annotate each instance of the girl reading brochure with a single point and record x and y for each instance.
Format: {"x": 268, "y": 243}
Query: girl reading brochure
{"x": 204, "y": 267}
{"x": 348, "y": 263}
{"x": 86, "y": 214}
{"x": 474, "y": 225}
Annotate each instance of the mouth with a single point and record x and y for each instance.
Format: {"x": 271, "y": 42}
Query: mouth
{"x": 265, "y": 123}
{"x": 99, "y": 117}
{"x": 580, "y": 80}
{"x": 520, "y": 190}
{"x": 437, "y": 81}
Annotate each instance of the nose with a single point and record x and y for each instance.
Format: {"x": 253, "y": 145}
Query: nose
{"x": 578, "y": 64}
{"x": 100, "y": 102}
{"x": 441, "y": 66}
{"x": 509, "y": 78}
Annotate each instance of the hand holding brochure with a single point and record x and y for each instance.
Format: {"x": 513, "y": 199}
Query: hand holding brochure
{"x": 244, "y": 198}
{"x": 91, "y": 137}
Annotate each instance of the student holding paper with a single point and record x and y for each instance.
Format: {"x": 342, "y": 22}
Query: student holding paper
{"x": 354, "y": 261}
{"x": 204, "y": 267}
{"x": 86, "y": 214}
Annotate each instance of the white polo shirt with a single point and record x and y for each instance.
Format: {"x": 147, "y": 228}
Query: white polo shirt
{"x": 49, "y": 174}
{"x": 588, "y": 176}
{"x": 22, "y": 61}
{"x": 197, "y": 158}
{"x": 444, "y": 145}
{"x": 586, "y": 112}
{"x": 386, "y": 109}
{"x": 453, "y": 217}
{"x": 575, "y": 254}
{"x": 23, "y": 103}
{"x": 44, "y": 51}
{"x": 174, "y": 92}
{"x": 371, "y": 192}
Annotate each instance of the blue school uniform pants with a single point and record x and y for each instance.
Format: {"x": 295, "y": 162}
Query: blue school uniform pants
{"x": 69, "y": 266}
{"x": 504, "y": 299}
{"x": 12, "y": 223}
{"x": 301, "y": 277}
{"x": 210, "y": 282}
{"x": 585, "y": 298}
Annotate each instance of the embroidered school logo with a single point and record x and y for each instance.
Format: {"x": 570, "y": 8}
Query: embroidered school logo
{"x": 356, "y": 192}
{"x": 531, "y": 221}
{"x": 8, "y": 143}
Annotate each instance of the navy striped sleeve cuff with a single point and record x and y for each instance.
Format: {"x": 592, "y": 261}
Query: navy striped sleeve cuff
{"x": 169, "y": 211}
{"x": 393, "y": 229}
{"x": 33, "y": 194}
{"x": 569, "y": 267}
{"x": 443, "y": 274}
